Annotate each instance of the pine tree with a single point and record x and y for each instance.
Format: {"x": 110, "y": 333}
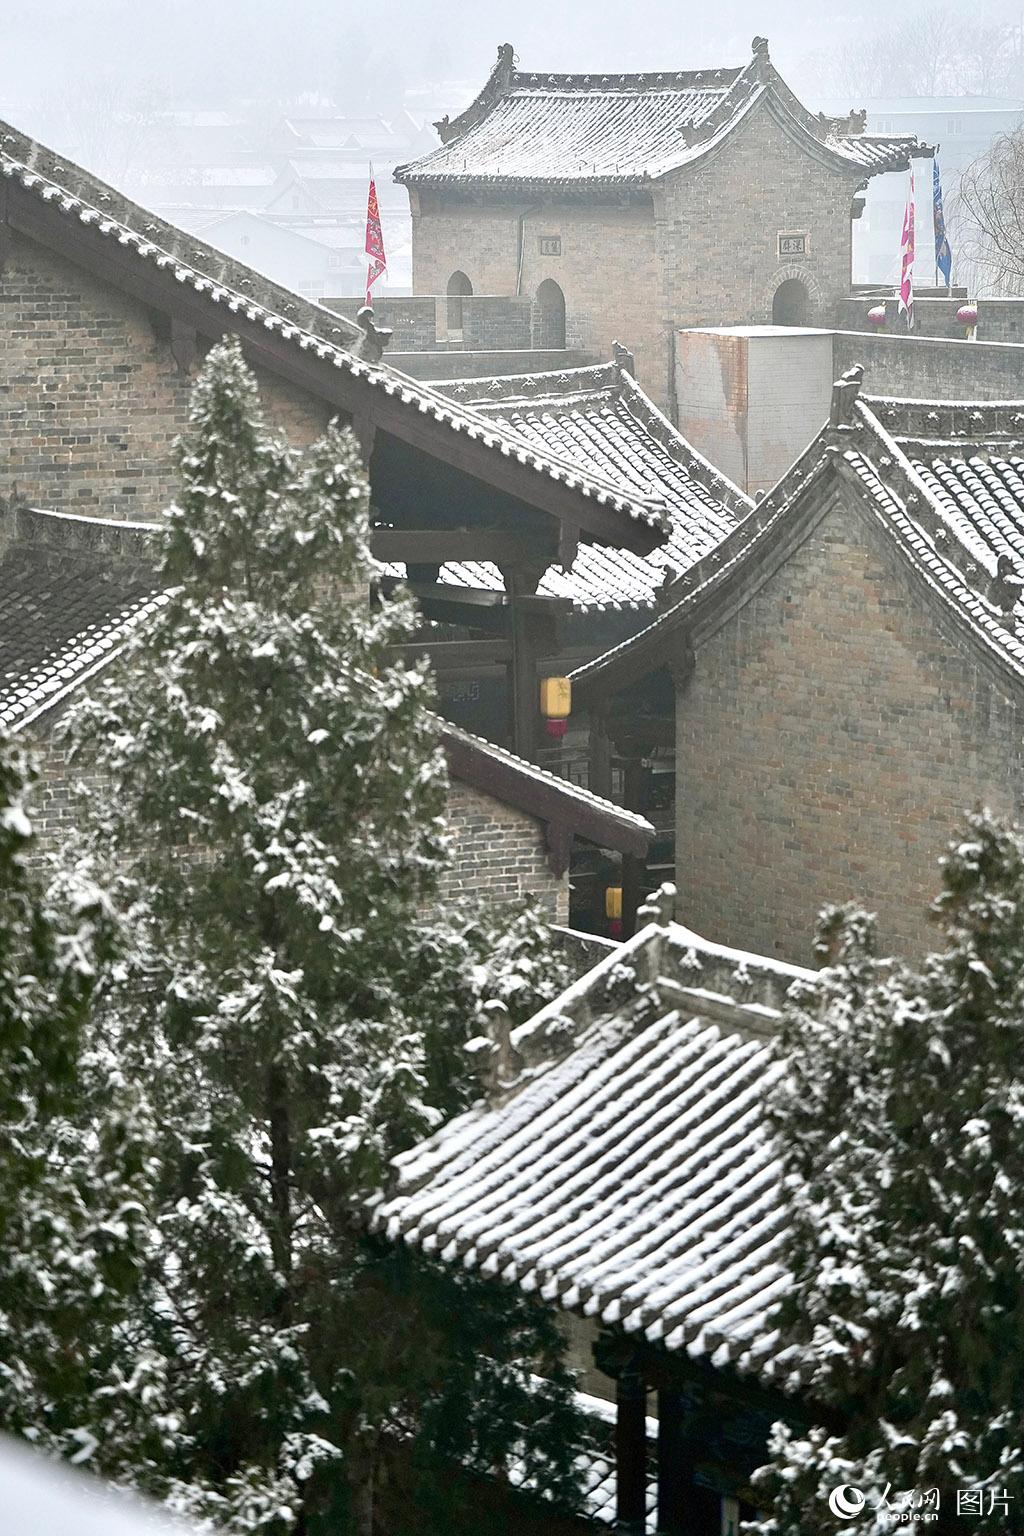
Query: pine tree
{"x": 72, "y": 1167}
{"x": 902, "y": 1123}
{"x": 276, "y": 825}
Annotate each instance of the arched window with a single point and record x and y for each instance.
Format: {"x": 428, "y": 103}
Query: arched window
{"x": 459, "y": 288}
{"x": 791, "y": 304}
{"x": 550, "y": 326}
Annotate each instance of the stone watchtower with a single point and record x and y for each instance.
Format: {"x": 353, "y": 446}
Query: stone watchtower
{"x": 635, "y": 204}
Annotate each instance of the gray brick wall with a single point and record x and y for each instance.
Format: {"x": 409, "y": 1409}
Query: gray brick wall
{"x": 828, "y": 745}
{"x": 500, "y": 854}
{"x": 91, "y": 399}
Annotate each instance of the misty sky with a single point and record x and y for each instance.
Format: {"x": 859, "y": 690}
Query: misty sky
{"x": 206, "y": 50}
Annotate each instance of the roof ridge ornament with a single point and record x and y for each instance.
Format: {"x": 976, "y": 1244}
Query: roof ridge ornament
{"x": 761, "y": 62}
{"x": 845, "y": 391}
{"x": 370, "y": 346}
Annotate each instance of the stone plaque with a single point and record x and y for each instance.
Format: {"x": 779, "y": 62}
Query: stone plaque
{"x": 792, "y": 244}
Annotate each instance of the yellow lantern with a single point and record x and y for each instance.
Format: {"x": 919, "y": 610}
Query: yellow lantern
{"x": 555, "y": 704}
{"x": 613, "y": 910}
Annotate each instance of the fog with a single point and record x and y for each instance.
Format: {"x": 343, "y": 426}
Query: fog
{"x": 167, "y": 53}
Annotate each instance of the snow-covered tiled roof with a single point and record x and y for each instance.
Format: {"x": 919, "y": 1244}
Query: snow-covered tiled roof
{"x": 627, "y": 1172}
{"x": 71, "y": 590}
{"x": 320, "y": 334}
{"x": 622, "y": 129}
{"x": 601, "y": 418}
{"x": 945, "y": 480}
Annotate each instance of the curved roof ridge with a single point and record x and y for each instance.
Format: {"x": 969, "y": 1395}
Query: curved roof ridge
{"x": 20, "y": 153}
{"x": 607, "y": 129}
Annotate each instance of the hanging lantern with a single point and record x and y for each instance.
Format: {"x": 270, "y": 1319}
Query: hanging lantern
{"x": 613, "y": 910}
{"x": 555, "y": 704}
{"x": 967, "y": 316}
{"x": 876, "y": 316}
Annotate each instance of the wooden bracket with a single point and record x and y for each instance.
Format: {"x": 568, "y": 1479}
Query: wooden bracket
{"x": 183, "y": 345}
{"x": 558, "y": 838}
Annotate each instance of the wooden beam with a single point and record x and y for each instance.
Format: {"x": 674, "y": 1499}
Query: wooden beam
{"x": 439, "y": 545}
{"x": 449, "y": 655}
{"x": 558, "y": 838}
{"x": 184, "y": 343}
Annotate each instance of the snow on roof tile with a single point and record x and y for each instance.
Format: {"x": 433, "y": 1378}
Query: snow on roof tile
{"x": 628, "y": 1173}
{"x": 620, "y": 129}
{"x": 946, "y": 479}
{"x": 599, "y": 417}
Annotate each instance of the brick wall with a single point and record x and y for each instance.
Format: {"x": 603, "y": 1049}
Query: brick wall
{"x": 500, "y": 854}
{"x": 482, "y": 365}
{"x": 932, "y": 368}
{"x": 718, "y": 224}
{"x": 999, "y": 319}
{"x": 420, "y": 323}
{"x": 91, "y": 398}
{"x": 606, "y": 270}
{"x": 751, "y": 400}
{"x": 830, "y": 740}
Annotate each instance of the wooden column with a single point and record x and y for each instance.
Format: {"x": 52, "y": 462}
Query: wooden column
{"x": 533, "y": 634}
{"x": 630, "y": 1451}
{"x": 636, "y": 783}
{"x": 671, "y": 1463}
{"x": 600, "y": 767}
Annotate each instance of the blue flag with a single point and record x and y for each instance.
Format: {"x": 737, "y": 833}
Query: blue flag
{"x": 943, "y": 254}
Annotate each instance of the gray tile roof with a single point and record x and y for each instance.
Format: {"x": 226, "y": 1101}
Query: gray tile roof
{"x": 599, "y": 416}
{"x": 622, "y": 129}
{"x": 627, "y": 1171}
{"x": 71, "y": 589}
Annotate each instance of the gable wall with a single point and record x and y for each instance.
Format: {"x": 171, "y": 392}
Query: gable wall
{"x": 500, "y": 854}
{"x": 832, "y": 736}
{"x": 91, "y": 399}
{"x": 718, "y": 225}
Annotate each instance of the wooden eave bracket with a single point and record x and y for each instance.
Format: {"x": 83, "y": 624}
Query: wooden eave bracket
{"x": 558, "y": 839}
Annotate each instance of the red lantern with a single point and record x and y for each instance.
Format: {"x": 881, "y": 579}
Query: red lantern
{"x": 967, "y": 316}
{"x": 876, "y": 316}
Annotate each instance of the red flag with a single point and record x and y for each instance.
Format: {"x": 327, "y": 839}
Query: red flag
{"x": 906, "y": 304}
{"x": 378, "y": 262}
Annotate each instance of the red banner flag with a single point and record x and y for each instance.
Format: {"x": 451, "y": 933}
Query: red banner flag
{"x": 378, "y": 262}
{"x": 906, "y": 304}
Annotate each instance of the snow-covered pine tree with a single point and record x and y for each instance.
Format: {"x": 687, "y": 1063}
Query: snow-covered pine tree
{"x": 72, "y": 1167}
{"x": 276, "y": 821}
{"x": 902, "y": 1124}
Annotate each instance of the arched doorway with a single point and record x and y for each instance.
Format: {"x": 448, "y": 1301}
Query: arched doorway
{"x": 791, "y": 304}
{"x": 459, "y": 288}
{"x": 550, "y": 326}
